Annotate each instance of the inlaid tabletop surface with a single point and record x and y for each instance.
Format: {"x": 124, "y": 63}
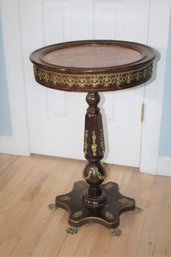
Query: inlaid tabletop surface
{"x": 93, "y": 56}
{"x": 93, "y": 65}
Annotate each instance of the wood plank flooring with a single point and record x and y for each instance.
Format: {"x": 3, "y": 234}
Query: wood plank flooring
{"x": 29, "y": 229}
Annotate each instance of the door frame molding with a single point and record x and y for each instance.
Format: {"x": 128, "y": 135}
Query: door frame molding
{"x": 18, "y": 143}
{"x": 153, "y": 97}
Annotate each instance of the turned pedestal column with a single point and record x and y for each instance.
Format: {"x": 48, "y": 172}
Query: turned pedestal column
{"x": 94, "y": 147}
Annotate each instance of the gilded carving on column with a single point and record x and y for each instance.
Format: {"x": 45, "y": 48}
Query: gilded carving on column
{"x": 85, "y": 141}
{"x": 95, "y": 171}
{"x": 102, "y": 144}
{"x": 94, "y": 145}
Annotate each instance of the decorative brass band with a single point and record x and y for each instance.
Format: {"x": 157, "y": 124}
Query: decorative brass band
{"x": 85, "y": 82}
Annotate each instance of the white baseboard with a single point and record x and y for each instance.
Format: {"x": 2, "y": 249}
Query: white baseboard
{"x": 164, "y": 166}
{"x": 14, "y": 145}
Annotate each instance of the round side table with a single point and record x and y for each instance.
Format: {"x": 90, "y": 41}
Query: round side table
{"x": 93, "y": 66}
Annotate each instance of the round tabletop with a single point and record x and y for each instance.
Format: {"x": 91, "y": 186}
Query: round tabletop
{"x": 93, "y": 65}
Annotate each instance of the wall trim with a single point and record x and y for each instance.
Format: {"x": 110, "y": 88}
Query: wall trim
{"x": 164, "y": 166}
{"x": 153, "y": 96}
{"x": 18, "y": 142}
{"x": 11, "y": 145}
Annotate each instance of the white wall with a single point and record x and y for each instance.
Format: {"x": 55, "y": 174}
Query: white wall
{"x": 17, "y": 142}
{"x": 164, "y": 162}
{"x": 5, "y": 115}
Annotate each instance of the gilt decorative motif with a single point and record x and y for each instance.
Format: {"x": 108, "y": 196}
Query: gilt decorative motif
{"x": 86, "y": 81}
{"x": 94, "y": 145}
{"x": 77, "y": 214}
{"x": 109, "y": 215}
{"x": 85, "y": 141}
{"x": 102, "y": 144}
{"x": 95, "y": 171}
{"x": 65, "y": 198}
{"x": 125, "y": 201}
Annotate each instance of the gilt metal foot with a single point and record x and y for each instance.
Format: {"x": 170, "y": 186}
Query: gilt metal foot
{"x": 71, "y": 230}
{"x": 52, "y": 207}
{"x": 115, "y": 232}
{"x": 137, "y": 210}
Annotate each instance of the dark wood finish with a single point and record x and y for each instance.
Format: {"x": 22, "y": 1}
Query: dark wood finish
{"x": 94, "y": 172}
{"x": 93, "y": 66}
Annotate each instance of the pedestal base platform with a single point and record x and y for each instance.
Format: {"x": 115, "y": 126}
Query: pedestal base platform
{"x": 108, "y": 214}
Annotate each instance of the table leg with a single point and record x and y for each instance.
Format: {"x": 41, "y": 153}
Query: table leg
{"x": 90, "y": 201}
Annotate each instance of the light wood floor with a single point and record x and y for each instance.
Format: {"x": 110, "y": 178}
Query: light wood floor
{"x": 29, "y": 228}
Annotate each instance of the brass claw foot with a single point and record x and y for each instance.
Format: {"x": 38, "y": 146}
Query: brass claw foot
{"x": 71, "y": 230}
{"x": 115, "y": 232}
{"x": 137, "y": 210}
{"x": 52, "y": 207}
